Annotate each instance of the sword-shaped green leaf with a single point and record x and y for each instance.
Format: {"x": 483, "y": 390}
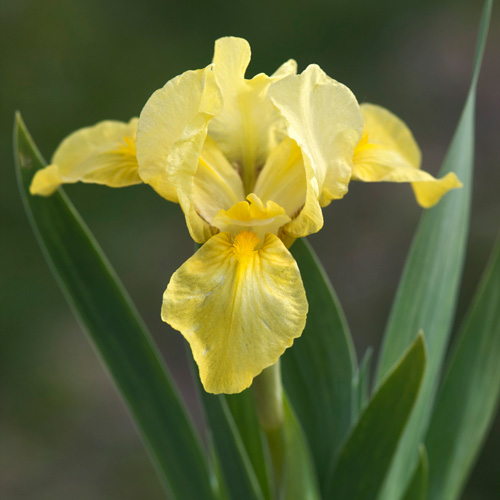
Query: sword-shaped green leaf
{"x": 300, "y": 481}
{"x": 419, "y": 483}
{"x": 237, "y": 470}
{"x": 428, "y": 290}
{"x": 361, "y": 385}
{"x": 469, "y": 397}
{"x": 364, "y": 461}
{"x": 115, "y": 329}
{"x": 242, "y": 408}
{"x": 318, "y": 369}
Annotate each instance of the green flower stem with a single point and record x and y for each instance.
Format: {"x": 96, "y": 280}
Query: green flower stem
{"x": 268, "y": 395}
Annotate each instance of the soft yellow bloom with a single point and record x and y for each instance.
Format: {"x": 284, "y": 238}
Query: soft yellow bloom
{"x": 388, "y": 152}
{"x": 251, "y": 163}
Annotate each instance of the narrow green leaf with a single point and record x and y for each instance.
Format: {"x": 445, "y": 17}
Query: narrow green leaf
{"x": 318, "y": 369}
{"x": 115, "y": 329}
{"x": 300, "y": 482}
{"x": 419, "y": 483}
{"x": 219, "y": 483}
{"x": 361, "y": 385}
{"x": 427, "y": 293}
{"x": 242, "y": 408}
{"x": 239, "y": 476}
{"x": 470, "y": 393}
{"x": 365, "y": 459}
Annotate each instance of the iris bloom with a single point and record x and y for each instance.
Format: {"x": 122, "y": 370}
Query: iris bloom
{"x": 251, "y": 163}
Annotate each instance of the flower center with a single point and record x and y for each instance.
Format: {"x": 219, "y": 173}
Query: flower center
{"x": 251, "y": 215}
{"x": 127, "y": 146}
{"x": 244, "y": 244}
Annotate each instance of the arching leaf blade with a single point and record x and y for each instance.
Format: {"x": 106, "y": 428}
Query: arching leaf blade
{"x": 419, "y": 483}
{"x": 115, "y": 329}
{"x": 318, "y": 369}
{"x": 428, "y": 290}
{"x": 363, "y": 463}
{"x": 469, "y": 396}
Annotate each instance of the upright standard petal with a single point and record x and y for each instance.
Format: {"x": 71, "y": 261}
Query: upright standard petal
{"x": 388, "y": 152}
{"x": 248, "y": 127}
{"x": 101, "y": 154}
{"x": 283, "y": 178}
{"x": 324, "y": 119}
{"x": 239, "y": 307}
{"x": 287, "y": 68}
{"x": 172, "y": 130}
{"x": 217, "y": 185}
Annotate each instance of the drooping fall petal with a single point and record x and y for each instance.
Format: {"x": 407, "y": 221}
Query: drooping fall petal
{"x": 172, "y": 130}
{"x": 238, "y": 306}
{"x": 101, "y": 154}
{"x": 324, "y": 119}
{"x": 388, "y": 152}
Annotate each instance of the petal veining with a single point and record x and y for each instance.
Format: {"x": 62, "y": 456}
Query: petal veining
{"x": 324, "y": 119}
{"x": 388, "y": 152}
{"x": 101, "y": 154}
{"x": 217, "y": 185}
{"x": 239, "y": 307}
{"x": 172, "y": 130}
{"x": 283, "y": 178}
{"x": 248, "y": 127}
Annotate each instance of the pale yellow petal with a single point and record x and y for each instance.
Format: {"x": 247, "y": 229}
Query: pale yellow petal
{"x": 428, "y": 193}
{"x": 252, "y": 215}
{"x": 324, "y": 119}
{"x": 217, "y": 185}
{"x": 387, "y": 144}
{"x": 388, "y": 152}
{"x": 101, "y": 154}
{"x": 283, "y": 178}
{"x": 172, "y": 130}
{"x": 249, "y": 127}
{"x": 238, "y": 306}
{"x": 46, "y": 181}
{"x": 287, "y": 68}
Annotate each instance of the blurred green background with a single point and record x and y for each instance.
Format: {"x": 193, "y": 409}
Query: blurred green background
{"x": 71, "y": 63}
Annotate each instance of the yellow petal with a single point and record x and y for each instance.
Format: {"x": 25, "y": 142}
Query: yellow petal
{"x": 46, "y": 181}
{"x": 249, "y": 127}
{"x": 252, "y": 215}
{"x": 172, "y": 131}
{"x": 217, "y": 185}
{"x": 283, "y": 178}
{"x": 101, "y": 154}
{"x": 238, "y": 306}
{"x": 388, "y": 152}
{"x": 287, "y": 68}
{"x": 428, "y": 193}
{"x": 324, "y": 119}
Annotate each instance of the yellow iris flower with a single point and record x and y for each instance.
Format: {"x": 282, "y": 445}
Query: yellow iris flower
{"x": 251, "y": 163}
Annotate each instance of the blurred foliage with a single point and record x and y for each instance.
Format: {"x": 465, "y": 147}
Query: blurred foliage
{"x": 67, "y": 64}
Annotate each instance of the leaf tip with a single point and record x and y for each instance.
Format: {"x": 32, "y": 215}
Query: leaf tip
{"x": 18, "y": 121}
{"x": 420, "y": 344}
